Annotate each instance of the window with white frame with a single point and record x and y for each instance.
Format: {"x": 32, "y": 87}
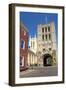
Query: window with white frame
{"x": 22, "y": 44}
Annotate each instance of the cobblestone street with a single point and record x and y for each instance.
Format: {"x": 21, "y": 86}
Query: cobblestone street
{"x": 37, "y": 72}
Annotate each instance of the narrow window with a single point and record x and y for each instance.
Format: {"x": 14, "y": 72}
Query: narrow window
{"x": 23, "y": 44}
{"x": 42, "y": 37}
{"x": 42, "y": 30}
{"x": 45, "y": 29}
{"x": 46, "y": 36}
{"x": 48, "y": 29}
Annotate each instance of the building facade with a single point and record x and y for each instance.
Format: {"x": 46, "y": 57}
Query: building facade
{"x": 32, "y": 51}
{"x": 46, "y": 44}
{"x": 39, "y": 50}
{"x": 32, "y": 59}
{"x": 23, "y": 47}
{"x": 33, "y": 44}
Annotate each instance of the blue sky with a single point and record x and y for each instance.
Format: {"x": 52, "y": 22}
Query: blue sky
{"x": 32, "y": 19}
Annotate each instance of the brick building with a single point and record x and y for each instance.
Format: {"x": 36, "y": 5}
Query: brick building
{"x": 23, "y": 47}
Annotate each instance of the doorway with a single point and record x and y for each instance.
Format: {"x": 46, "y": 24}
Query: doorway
{"x": 47, "y": 60}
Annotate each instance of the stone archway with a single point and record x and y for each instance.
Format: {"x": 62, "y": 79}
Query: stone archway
{"x": 47, "y": 60}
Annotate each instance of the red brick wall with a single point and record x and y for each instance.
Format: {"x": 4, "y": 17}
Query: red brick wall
{"x": 24, "y": 52}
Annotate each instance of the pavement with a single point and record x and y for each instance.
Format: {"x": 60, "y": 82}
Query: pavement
{"x": 40, "y": 71}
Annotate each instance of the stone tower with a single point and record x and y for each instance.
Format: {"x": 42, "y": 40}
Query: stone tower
{"x": 46, "y": 44}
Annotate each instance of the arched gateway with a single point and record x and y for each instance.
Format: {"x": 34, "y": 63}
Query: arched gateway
{"x": 47, "y": 60}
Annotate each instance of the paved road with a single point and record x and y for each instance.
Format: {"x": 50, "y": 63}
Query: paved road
{"x": 37, "y": 72}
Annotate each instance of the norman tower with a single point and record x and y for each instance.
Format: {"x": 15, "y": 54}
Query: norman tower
{"x": 46, "y": 44}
